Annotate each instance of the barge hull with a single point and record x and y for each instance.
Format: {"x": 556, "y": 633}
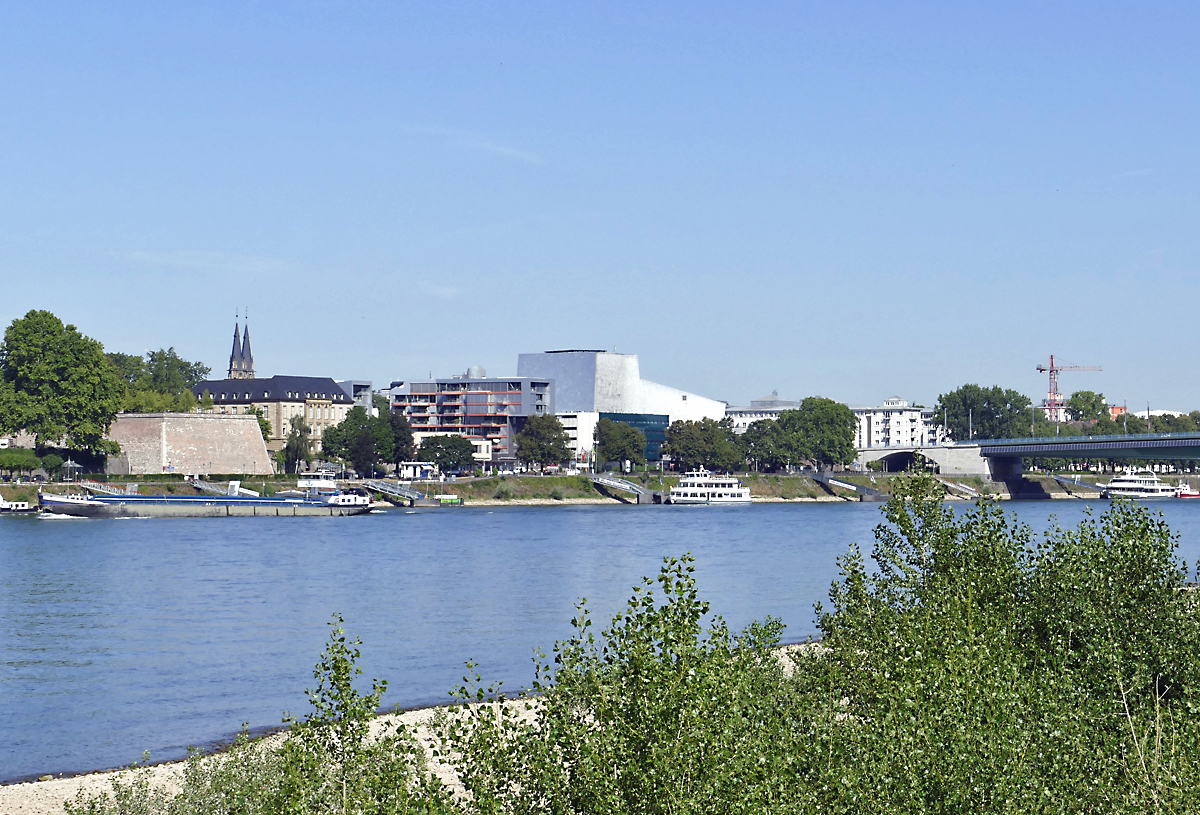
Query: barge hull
{"x": 198, "y": 508}
{"x": 208, "y": 511}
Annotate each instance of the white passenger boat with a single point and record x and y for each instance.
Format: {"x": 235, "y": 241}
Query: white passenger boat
{"x": 702, "y": 487}
{"x": 1137, "y": 484}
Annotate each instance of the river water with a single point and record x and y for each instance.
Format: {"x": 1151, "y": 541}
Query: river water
{"x": 125, "y": 636}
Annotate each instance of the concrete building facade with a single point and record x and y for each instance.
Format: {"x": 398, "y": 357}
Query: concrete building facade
{"x": 590, "y": 381}
{"x": 194, "y": 443}
{"x": 895, "y": 423}
{"x": 318, "y": 399}
{"x": 766, "y": 407}
{"x": 490, "y": 411}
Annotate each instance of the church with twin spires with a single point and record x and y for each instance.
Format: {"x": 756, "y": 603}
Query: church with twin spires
{"x": 241, "y": 360}
{"x": 318, "y": 400}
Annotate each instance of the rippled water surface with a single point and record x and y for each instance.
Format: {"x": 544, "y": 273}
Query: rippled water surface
{"x": 125, "y": 636}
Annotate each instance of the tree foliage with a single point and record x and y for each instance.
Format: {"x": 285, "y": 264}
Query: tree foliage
{"x": 543, "y": 441}
{"x": 1084, "y": 405}
{"x": 298, "y": 446}
{"x": 56, "y": 384}
{"x": 160, "y": 382}
{"x": 20, "y": 460}
{"x": 264, "y": 424}
{"x": 706, "y": 443}
{"x": 447, "y": 452}
{"x": 619, "y": 441}
{"x": 403, "y": 448}
{"x": 362, "y": 439}
{"x": 983, "y": 413}
{"x": 820, "y": 430}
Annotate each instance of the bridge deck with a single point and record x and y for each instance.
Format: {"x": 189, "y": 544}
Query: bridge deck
{"x": 1172, "y": 446}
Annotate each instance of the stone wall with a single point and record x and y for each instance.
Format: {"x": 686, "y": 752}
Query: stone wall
{"x": 196, "y": 443}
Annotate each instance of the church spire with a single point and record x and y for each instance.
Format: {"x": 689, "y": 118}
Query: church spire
{"x": 235, "y": 356}
{"x": 247, "y": 356}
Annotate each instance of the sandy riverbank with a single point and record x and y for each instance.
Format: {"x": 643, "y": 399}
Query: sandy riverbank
{"x": 47, "y": 797}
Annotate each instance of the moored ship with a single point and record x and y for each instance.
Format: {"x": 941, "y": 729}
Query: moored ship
{"x": 311, "y": 502}
{"x": 1137, "y": 484}
{"x": 702, "y": 487}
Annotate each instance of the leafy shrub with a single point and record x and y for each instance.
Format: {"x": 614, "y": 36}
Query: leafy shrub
{"x": 660, "y": 716}
{"x": 557, "y": 493}
{"x": 329, "y": 762}
{"x": 504, "y": 492}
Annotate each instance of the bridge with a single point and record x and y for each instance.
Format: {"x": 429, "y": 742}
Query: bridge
{"x": 1155, "y": 446}
{"x": 1000, "y": 459}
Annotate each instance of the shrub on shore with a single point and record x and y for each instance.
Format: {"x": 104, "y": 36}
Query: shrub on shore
{"x": 973, "y": 669}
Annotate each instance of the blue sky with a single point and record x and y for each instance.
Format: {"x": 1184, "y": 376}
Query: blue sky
{"x": 852, "y": 200}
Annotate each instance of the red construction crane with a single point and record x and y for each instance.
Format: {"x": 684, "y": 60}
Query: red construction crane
{"x": 1054, "y": 400}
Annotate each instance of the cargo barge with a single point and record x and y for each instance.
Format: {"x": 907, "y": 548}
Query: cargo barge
{"x": 310, "y": 503}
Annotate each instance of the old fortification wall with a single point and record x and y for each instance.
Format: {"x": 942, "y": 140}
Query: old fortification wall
{"x": 198, "y": 443}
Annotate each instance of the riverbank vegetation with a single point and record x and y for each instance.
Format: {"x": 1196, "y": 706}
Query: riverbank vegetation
{"x": 972, "y": 668}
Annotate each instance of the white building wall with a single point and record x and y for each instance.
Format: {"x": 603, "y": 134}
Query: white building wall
{"x": 581, "y": 430}
{"x": 605, "y": 382}
{"x": 895, "y": 424}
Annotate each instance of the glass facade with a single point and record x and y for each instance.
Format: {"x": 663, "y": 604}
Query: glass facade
{"x": 652, "y": 425}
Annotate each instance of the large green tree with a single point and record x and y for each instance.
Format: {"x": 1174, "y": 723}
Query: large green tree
{"x": 765, "y": 445}
{"x": 619, "y": 441}
{"x": 447, "y": 452}
{"x": 821, "y": 430}
{"x": 706, "y": 443}
{"x": 56, "y": 384}
{"x": 403, "y": 448}
{"x": 983, "y": 413}
{"x": 162, "y": 381}
{"x": 360, "y": 438}
{"x": 543, "y": 441}
{"x": 1085, "y": 405}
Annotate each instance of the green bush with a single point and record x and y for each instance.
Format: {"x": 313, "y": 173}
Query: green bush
{"x": 659, "y": 715}
{"x": 504, "y": 492}
{"x": 329, "y": 762}
{"x": 557, "y": 493}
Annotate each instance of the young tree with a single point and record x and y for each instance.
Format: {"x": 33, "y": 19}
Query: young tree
{"x": 58, "y": 384}
{"x": 618, "y": 441}
{"x": 983, "y": 413}
{"x": 447, "y": 452}
{"x": 264, "y": 424}
{"x": 543, "y": 441}
{"x": 297, "y": 447}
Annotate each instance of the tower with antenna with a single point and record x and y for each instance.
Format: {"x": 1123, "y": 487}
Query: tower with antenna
{"x": 1053, "y": 405}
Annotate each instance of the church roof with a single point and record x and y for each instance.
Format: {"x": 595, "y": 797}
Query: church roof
{"x": 275, "y": 389}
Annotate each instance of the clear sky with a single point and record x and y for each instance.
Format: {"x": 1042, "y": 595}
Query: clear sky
{"x": 845, "y": 199}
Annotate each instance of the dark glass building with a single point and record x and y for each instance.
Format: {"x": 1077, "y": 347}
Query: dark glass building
{"x": 652, "y": 425}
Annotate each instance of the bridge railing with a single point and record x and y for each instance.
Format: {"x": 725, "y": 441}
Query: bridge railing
{"x": 620, "y": 484}
{"x": 392, "y": 488}
{"x": 1077, "y": 439}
